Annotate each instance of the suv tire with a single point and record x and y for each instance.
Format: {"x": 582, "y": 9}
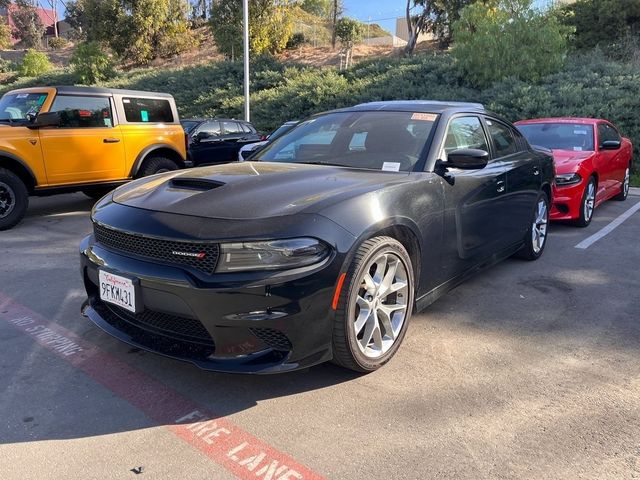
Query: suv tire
{"x": 158, "y": 164}
{"x": 14, "y": 199}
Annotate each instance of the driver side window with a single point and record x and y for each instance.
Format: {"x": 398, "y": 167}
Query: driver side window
{"x": 208, "y": 130}
{"x": 464, "y": 132}
{"x": 607, "y": 132}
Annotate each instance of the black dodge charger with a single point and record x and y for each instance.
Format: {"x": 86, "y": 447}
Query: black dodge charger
{"x": 323, "y": 245}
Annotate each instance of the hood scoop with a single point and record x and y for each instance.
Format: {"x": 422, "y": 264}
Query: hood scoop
{"x": 199, "y": 184}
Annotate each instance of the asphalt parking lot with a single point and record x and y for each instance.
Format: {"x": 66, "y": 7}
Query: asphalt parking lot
{"x": 530, "y": 370}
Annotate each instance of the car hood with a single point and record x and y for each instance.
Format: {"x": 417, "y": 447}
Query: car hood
{"x": 567, "y": 161}
{"x": 252, "y": 190}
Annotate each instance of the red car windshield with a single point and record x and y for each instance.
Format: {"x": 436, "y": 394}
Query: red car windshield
{"x": 560, "y": 136}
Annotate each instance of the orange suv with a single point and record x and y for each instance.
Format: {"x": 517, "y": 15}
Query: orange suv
{"x": 63, "y": 139}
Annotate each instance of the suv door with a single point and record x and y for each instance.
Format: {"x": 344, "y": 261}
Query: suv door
{"x": 87, "y": 146}
{"x": 206, "y": 146}
{"x": 475, "y": 199}
{"x": 523, "y": 178}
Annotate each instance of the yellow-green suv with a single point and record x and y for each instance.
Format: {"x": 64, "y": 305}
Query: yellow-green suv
{"x": 61, "y": 139}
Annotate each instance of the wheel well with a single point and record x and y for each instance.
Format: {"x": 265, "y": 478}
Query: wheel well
{"x": 163, "y": 152}
{"x": 410, "y": 242}
{"x": 595, "y": 175}
{"x": 546, "y": 188}
{"x": 20, "y": 170}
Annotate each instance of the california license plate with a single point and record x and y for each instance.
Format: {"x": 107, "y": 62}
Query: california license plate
{"x": 117, "y": 290}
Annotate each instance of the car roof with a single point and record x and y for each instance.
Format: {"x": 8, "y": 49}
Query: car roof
{"x": 419, "y": 106}
{"x": 76, "y": 90}
{"x": 579, "y": 120}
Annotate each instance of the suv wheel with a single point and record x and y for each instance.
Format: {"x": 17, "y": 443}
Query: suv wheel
{"x": 374, "y": 306}
{"x": 155, "y": 165}
{"x": 14, "y": 199}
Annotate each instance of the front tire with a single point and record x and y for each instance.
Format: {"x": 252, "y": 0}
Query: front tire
{"x": 14, "y": 199}
{"x": 155, "y": 165}
{"x": 587, "y": 205}
{"x": 536, "y": 237}
{"x": 624, "y": 189}
{"x": 375, "y": 305}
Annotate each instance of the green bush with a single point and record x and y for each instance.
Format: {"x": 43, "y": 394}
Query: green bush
{"x": 297, "y": 40}
{"x": 58, "y": 43}
{"x": 7, "y": 66}
{"x": 90, "y": 64}
{"x": 34, "y": 63}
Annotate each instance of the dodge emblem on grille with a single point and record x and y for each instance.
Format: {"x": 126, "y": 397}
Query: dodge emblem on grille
{"x": 199, "y": 256}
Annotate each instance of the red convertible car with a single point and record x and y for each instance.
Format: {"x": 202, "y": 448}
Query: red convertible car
{"x": 592, "y": 159}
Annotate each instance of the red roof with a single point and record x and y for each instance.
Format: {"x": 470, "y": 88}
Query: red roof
{"x": 47, "y": 16}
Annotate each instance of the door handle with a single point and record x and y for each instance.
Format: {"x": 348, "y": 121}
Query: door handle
{"x": 500, "y": 186}
{"x": 110, "y": 140}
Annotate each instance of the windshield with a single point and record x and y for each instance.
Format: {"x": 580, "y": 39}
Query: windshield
{"x": 189, "y": 125}
{"x": 560, "y": 136}
{"x": 16, "y": 106}
{"x": 390, "y": 141}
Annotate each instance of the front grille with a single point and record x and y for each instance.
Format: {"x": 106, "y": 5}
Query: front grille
{"x": 273, "y": 338}
{"x": 181, "y": 328}
{"x": 171, "y": 251}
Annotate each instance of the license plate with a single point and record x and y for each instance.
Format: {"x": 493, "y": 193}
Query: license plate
{"x": 117, "y": 290}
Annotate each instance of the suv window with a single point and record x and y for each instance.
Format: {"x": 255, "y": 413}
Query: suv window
{"x": 212, "y": 128}
{"x": 231, "y": 127}
{"x": 607, "y": 132}
{"x": 465, "y": 132}
{"x": 17, "y": 105}
{"x": 502, "y": 137}
{"x": 77, "y": 111}
{"x": 147, "y": 110}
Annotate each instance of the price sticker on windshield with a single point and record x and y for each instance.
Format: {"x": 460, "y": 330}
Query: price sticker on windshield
{"x": 424, "y": 117}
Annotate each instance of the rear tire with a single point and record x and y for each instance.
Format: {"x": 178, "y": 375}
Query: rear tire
{"x": 536, "y": 237}
{"x": 375, "y": 305}
{"x": 588, "y": 204}
{"x": 14, "y": 199}
{"x": 154, "y": 165}
{"x": 624, "y": 189}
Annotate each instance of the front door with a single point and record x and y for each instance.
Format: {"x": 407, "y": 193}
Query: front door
{"x": 474, "y": 201}
{"x": 87, "y": 146}
{"x": 610, "y": 163}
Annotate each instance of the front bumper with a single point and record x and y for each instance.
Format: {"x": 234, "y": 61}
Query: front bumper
{"x": 566, "y": 201}
{"x": 265, "y": 325}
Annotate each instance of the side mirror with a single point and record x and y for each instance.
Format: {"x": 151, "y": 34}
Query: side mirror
{"x": 200, "y": 136}
{"x": 610, "y": 145}
{"x": 46, "y": 119}
{"x": 467, "y": 159}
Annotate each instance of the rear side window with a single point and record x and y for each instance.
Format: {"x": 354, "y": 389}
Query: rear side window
{"x": 147, "y": 110}
{"x": 231, "y": 127}
{"x": 77, "y": 111}
{"x": 502, "y": 137}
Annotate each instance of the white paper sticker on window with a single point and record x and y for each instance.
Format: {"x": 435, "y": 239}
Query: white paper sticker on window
{"x": 425, "y": 117}
{"x": 390, "y": 167}
{"x": 107, "y": 122}
{"x": 577, "y": 149}
{"x": 579, "y": 132}
{"x": 22, "y": 95}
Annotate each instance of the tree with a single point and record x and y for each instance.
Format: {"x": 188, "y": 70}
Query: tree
{"x": 336, "y": 12}
{"x": 270, "y": 26}
{"x": 27, "y": 25}
{"x": 136, "y": 30}
{"x": 5, "y": 35}
{"x": 349, "y": 31}
{"x": 434, "y": 16}
{"x": 91, "y": 64}
{"x": 602, "y": 22}
{"x": 319, "y": 8}
{"x": 508, "y": 38}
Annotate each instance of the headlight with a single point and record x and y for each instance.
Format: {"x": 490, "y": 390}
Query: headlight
{"x": 271, "y": 255}
{"x": 565, "y": 179}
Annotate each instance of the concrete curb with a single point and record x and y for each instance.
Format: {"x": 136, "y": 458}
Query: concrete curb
{"x": 635, "y": 191}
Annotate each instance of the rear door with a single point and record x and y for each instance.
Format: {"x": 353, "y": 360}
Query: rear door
{"x": 523, "y": 178}
{"x": 88, "y": 146}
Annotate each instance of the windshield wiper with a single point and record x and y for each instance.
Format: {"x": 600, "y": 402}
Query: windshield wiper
{"x": 318, "y": 162}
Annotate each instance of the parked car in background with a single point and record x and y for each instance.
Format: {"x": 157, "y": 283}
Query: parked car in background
{"x": 247, "y": 150}
{"x": 593, "y": 163}
{"x": 217, "y": 140}
{"x": 61, "y": 139}
{"x": 322, "y": 247}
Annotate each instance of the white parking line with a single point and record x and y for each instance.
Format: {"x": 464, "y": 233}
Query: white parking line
{"x": 587, "y": 242}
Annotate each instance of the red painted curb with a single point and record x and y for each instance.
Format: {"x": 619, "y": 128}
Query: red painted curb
{"x": 242, "y": 454}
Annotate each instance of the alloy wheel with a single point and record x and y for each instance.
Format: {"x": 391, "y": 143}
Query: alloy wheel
{"x": 589, "y": 201}
{"x": 380, "y": 308}
{"x": 7, "y": 200}
{"x": 539, "y": 227}
{"x": 625, "y": 185}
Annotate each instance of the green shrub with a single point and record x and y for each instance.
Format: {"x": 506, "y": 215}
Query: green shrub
{"x": 5, "y": 35}
{"x": 90, "y": 64}
{"x": 58, "y": 43}
{"x": 34, "y": 63}
{"x": 297, "y": 40}
{"x": 7, "y": 66}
